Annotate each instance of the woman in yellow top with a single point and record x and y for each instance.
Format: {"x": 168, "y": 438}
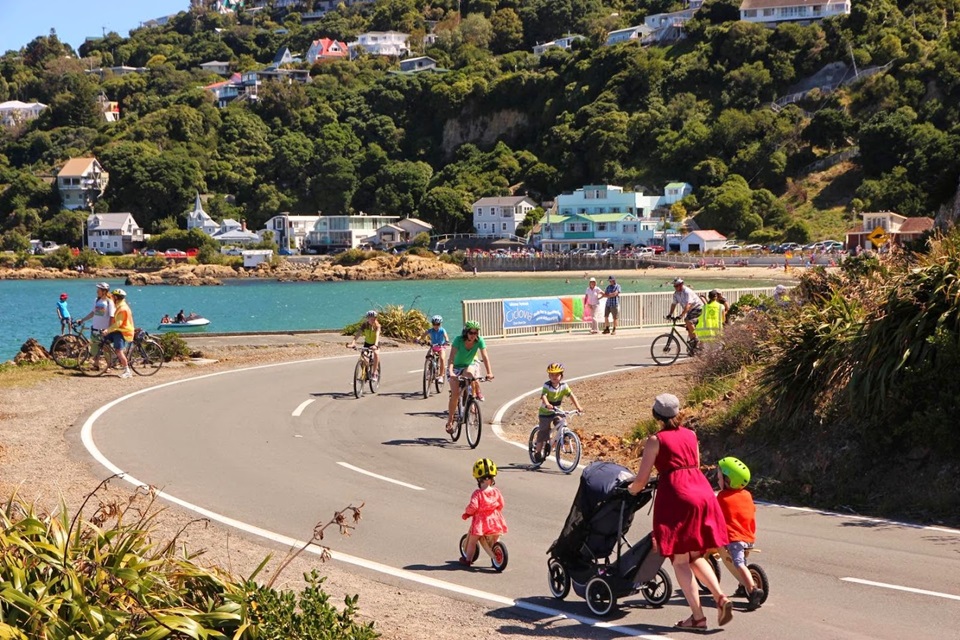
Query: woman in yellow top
{"x": 120, "y": 331}
{"x": 370, "y": 330}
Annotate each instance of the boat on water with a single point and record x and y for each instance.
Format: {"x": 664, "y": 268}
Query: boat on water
{"x": 189, "y": 323}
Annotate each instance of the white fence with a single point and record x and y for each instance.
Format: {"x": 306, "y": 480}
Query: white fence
{"x": 637, "y": 310}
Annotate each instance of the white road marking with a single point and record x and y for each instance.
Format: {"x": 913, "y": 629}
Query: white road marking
{"x": 346, "y": 465}
{"x": 923, "y": 592}
{"x": 639, "y": 346}
{"x": 303, "y": 405}
{"x": 416, "y": 371}
{"x": 848, "y": 516}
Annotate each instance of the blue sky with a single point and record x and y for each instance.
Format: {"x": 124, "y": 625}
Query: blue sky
{"x": 23, "y": 20}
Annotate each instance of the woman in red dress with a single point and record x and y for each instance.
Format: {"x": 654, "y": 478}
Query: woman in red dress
{"x": 687, "y": 520}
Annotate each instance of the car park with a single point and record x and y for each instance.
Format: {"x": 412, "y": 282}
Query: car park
{"x": 754, "y": 247}
{"x": 731, "y": 247}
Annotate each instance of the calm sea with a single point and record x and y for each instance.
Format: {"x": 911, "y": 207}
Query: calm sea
{"x": 28, "y": 307}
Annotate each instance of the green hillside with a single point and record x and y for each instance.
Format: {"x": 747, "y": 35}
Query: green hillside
{"x": 360, "y": 137}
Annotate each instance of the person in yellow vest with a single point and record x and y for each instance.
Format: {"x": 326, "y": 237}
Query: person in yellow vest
{"x": 370, "y": 330}
{"x": 120, "y": 331}
{"x": 711, "y": 320}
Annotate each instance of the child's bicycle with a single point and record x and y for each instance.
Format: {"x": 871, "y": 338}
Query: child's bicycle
{"x": 494, "y": 548}
{"x": 433, "y": 374}
{"x": 716, "y": 556}
{"x": 562, "y": 441}
{"x": 363, "y": 373}
{"x": 468, "y": 412}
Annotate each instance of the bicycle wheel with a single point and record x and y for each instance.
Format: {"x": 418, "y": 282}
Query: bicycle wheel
{"x": 88, "y": 366}
{"x": 428, "y": 375}
{"x": 568, "y": 450}
{"x": 359, "y": 378}
{"x": 66, "y": 351}
{"x": 374, "y": 381}
{"x": 458, "y": 420}
{"x": 499, "y": 556}
{"x": 665, "y": 349}
{"x": 145, "y": 357}
{"x": 438, "y": 379}
{"x": 473, "y": 423}
{"x": 532, "y": 446}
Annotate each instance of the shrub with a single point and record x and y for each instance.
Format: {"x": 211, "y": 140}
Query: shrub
{"x": 173, "y": 345}
{"x": 62, "y": 258}
{"x": 395, "y": 322}
{"x": 352, "y": 257}
{"x": 457, "y": 257}
{"x": 423, "y": 252}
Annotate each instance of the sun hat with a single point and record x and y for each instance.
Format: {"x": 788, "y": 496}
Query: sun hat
{"x": 592, "y": 280}
{"x": 666, "y": 405}
{"x": 63, "y": 296}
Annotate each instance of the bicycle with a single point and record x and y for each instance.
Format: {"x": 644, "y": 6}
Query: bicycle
{"x": 66, "y": 349}
{"x": 432, "y": 371}
{"x": 468, "y": 412}
{"x": 361, "y": 373}
{"x": 494, "y": 548}
{"x": 721, "y": 557}
{"x": 563, "y": 441}
{"x": 665, "y": 348}
{"x": 144, "y": 355}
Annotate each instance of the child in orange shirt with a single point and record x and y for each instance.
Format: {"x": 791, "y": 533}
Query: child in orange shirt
{"x": 486, "y": 509}
{"x": 738, "y": 509}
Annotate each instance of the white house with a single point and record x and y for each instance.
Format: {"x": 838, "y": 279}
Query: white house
{"x": 773, "y": 12}
{"x": 217, "y": 67}
{"x": 233, "y": 232}
{"x": 290, "y": 231}
{"x": 560, "y": 232}
{"x": 499, "y": 217}
{"x": 638, "y": 32}
{"x": 113, "y": 232}
{"x": 607, "y": 198}
{"x": 703, "y": 240}
{"x": 401, "y": 231}
{"x": 200, "y": 219}
{"x": 675, "y": 192}
{"x": 344, "y": 232}
{"x": 566, "y": 42}
{"x": 13, "y": 112}
{"x": 81, "y": 182}
{"x": 381, "y": 43}
{"x": 421, "y": 63}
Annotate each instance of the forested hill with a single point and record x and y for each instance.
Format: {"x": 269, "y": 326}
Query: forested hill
{"x": 500, "y": 120}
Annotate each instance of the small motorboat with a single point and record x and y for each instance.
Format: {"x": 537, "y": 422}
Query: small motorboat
{"x": 189, "y": 323}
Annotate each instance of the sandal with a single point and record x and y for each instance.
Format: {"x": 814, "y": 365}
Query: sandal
{"x": 692, "y": 623}
{"x": 724, "y": 611}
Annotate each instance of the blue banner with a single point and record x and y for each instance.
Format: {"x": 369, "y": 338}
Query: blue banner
{"x": 527, "y": 312}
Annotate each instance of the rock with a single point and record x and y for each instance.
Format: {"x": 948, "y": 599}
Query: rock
{"x": 32, "y": 352}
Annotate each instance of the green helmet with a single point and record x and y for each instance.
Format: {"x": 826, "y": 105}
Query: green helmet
{"x": 470, "y": 325}
{"x": 738, "y": 475}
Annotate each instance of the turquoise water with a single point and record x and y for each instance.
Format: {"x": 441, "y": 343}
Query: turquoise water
{"x": 28, "y": 307}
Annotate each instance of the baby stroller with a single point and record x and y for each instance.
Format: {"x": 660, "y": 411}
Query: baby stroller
{"x": 592, "y": 551}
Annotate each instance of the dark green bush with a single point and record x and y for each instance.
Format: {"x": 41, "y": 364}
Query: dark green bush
{"x": 173, "y": 345}
{"x": 352, "y": 257}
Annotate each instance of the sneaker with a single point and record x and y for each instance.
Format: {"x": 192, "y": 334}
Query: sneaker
{"x": 754, "y": 599}
{"x": 537, "y": 457}
{"x": 126, "y": 374}
{"x": 480, "y": 397}
{"x": 606, "y": 330}
{"x": 613, "y": 332}
{"x": 373, "y": 378}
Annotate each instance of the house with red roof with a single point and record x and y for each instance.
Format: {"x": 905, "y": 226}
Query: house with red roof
{"x": 702, "y": 240}
{"x": 327, "y": 49}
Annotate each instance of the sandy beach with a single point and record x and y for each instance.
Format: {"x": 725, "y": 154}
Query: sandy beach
{"x": 655, "y": 274}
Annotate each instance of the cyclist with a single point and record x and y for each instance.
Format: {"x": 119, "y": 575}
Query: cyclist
{"x": 553, "y": 392}
{"x": 370, "y": 330}
{"x": 438, "y": 337}
{"x": 485, "y": 508}
{"x": 740, "y": 513}
{"x": 463, "y": 361}
{"x": 102, "y": 314}
{"x": 691, "y": 306}
{"x": 120, "y": 331}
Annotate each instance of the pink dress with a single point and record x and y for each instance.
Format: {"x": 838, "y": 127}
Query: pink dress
{"x": 686, "y": 514}
{"x": 486, "y": 507}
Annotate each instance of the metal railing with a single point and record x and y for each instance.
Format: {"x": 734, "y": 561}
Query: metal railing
{"x": 637, "y": 310}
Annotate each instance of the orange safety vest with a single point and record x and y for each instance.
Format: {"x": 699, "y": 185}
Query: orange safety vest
{"x": 122, "y": 321}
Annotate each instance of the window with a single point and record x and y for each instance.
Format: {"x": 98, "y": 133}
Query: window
{"x": 750, "y": 13}
{"x": 601, "y": 226}
{"x": 503, "y": 226}
{"x": 584, "y": 226}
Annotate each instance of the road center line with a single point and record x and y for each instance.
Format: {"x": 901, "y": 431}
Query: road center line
{"x": 639, "y": 346}
{"x": 415, "y": 371}
{"x": 379, "y": 477}
{"x": 896, "y": 587}
{"x": 303, "y": 405}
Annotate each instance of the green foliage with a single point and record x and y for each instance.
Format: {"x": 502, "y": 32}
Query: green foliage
{"x": 396, "y": 322}
{"x": 423, "y": 252}
{"x": 174, "y": 347}
{"x": 421, "y": 240}
{"x": 352, "y": 257}
{"x": 14, "y": 241}
{"x": 457, "y": 257}
{"x": 62, "y": 258}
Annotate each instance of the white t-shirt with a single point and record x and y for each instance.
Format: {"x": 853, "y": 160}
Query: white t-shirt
{"x": 592, "y": 295}
{"x": 687, "y": 296}
{"x": 103, "y": 312}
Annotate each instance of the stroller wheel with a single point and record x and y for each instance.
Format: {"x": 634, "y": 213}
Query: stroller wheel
{"x": 558, "y": 578}
{"x": 600, "y": 596}
{"x": 657, "y": 592}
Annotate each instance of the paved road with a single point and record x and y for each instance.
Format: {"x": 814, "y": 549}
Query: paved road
{"x": 231, "y": 443}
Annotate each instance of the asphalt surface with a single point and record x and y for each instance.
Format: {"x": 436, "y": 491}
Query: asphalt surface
{"x": 281, "y": 447}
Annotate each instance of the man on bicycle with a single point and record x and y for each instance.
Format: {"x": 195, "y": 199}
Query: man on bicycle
{"x": 120, "y": 331}
{"x": 370, "y": 330}
{"x": 691, "y": 306}
{"x": 553, "y": 392}
{"x": 463, "y": 361}
{"x": 102, "y": 314}
{"x": 438, "y": 337}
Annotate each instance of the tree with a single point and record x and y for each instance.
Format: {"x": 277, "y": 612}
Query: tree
{"x": 728, "y": 208}
{"x": 507, "y": 31}
{"x": 828, "y": 129}
{"x": 447, "y": 210}
{"x": 402, "y": 187}
{"x": 332, "y": 186}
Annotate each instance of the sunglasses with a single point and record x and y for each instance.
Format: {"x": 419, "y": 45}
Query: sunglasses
{"x": 473, "y": 333}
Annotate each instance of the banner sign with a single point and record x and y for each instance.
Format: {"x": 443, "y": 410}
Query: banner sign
{"x": 538, "y": 312}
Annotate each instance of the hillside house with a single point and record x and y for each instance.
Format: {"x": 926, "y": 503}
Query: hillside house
{"x": 290, "y": 231}
{"x": 113, "y": 232}
{"x": 81, "y": 182}
{"x": 327, "y": 49}
{"x": 421, "y": 63}
{"x": 774, "y": 12}
{"x": 499, "y": 217}
{"x": 639, "y": 33}
{"x": 14, "y": 112}
{"x": 344, "y": 232}
{"x": 217, "y": 67}
{"x": 899, "y": 229}
{"x": 565, "y": 43}
{"x": 381, "y": 43}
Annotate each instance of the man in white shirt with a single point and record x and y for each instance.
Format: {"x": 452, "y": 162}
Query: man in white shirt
{"x": 691, "y": 306}
{"x": 591, "y": 300}
{"x": 102, "y": 314}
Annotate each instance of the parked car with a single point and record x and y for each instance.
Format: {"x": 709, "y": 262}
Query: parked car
{"x": 832, "y": 245}
{"x": 731, "y": 247}
{"x": 645, "y": 251}
{"x": 286, "y": 251}
{"x": 151, "y": 252}
{"x": 754, "y": 247}
{"x": 175, "y": 254}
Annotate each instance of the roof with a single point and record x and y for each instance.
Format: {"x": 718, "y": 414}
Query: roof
{"x": 774, "y": 4}
{"x": 16, "y": 104}
{"x": 213, "y": 63}
{"x": 677, "y": 185}
{"x": 707, "y": 234}
{"x": 76, "y": 166}
{"x": 391, "y": 227}
{"x": 108, "y": 220}
{"x": 418, "y": 222}
{"x": 501, "y": 202}
{"x": 916, "y": 225}
{"x": 236, "y": 235}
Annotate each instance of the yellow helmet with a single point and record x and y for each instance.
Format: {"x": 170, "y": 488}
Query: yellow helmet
{"x": 484, "y": 467}
{"x": 555, "y": 367}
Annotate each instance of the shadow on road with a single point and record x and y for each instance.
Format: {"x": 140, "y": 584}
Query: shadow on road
{"x": 453, "y": 565}
{"x": 444, "y": 443}
{"x": 436, "y": 414}
{"x": 405, "y": 395}
{"x": 336, "y": 395}
{"x": 521, "y": 466}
